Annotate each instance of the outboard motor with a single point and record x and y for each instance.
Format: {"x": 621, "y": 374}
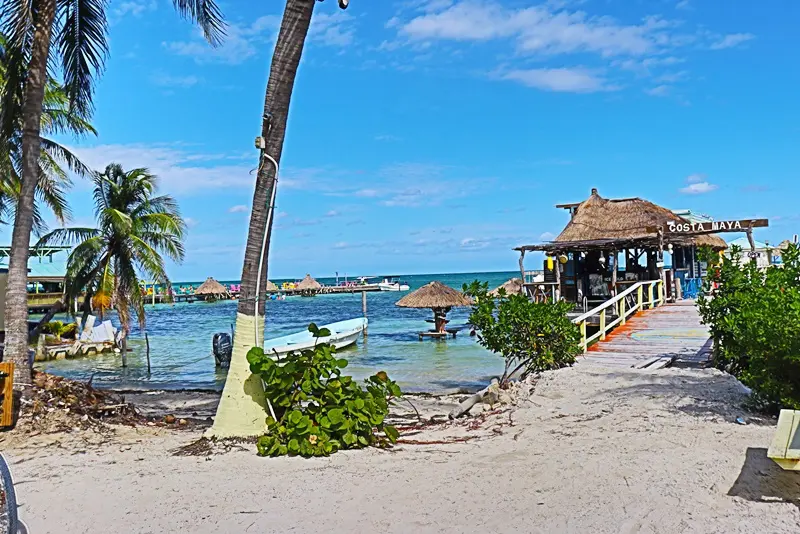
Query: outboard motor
{"x": 223, "y": 347}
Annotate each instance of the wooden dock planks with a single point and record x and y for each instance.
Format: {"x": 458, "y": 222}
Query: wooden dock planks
{"x": 653, "y": 339}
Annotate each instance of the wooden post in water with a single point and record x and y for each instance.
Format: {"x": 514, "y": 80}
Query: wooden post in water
{"x": 147, "y": 344}
{"x": 364, "y": 308}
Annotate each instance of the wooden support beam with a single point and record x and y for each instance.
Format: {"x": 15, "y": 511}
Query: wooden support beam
{"x": 7, "y": 383}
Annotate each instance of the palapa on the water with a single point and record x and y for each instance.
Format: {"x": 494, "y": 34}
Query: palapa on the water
{"x": 212, "y": 288}
{"x": 440, "y": 298}
{"x": 308, "y": 283}
{"x": 271, "y": 286}
{"x": 512, "y": 287}
{"x": 434, "y": 295}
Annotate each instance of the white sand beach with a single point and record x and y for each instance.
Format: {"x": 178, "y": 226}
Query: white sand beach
{"x": 592, "y": 450}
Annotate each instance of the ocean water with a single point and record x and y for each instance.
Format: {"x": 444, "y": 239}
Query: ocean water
{"x": 181, "y": 356}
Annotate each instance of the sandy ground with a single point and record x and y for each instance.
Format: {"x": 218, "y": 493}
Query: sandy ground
{"x": 591, "y": 451}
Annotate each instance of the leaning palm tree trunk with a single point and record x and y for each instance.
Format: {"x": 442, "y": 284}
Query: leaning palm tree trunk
{"x": 241, "y": 410}
{"x": 16, "y": 313}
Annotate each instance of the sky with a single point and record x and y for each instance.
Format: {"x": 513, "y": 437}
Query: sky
{"x": 435, "y": 135}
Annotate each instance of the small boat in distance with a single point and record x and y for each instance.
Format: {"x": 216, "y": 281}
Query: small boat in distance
{"x": 343, "y": 334}
{"x": 393, "y": 283}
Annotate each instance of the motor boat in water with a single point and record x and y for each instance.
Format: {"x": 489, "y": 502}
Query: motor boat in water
{"x": 343, "y": 334}
{"x": 391, "y": 283}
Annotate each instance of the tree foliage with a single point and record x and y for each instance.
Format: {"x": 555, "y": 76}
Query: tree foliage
{"x": 754, "y": 318}
{"x": 135, "y": 230}
{"x": 530, "y": 336}
{"x": 317, "y": 410}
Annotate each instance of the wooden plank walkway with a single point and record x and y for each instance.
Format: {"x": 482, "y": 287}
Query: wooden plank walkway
{"x": 670, "y": 334}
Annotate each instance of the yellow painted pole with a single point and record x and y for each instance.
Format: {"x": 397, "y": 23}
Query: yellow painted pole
{"x": 583, "y": 336}
{"x": 650, "y": 302}
{"x": 603, "y": 325}
{"x": 622, "y": 309}
{"x": 640, "y": 298}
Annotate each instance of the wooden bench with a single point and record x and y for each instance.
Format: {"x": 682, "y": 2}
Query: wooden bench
{"x": 785, "y": 447}
{"x": 6, "y": 394}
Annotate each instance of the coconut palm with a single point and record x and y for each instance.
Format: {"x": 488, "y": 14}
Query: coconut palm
{"x": 57, "y": 119}
{"x": 239, "y": 413}
{"x": 135, "y": 230}
{"x": 77, "y": 31}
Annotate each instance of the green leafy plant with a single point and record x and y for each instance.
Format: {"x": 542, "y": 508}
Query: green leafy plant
{"x": 754, "y": 318}
{"x": 531, "y": 336}
{"x": 60, "y": 330}
{"x": 317, "y": 410}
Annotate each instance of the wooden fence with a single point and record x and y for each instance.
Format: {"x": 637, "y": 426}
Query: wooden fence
{"x": 6, "y": 394}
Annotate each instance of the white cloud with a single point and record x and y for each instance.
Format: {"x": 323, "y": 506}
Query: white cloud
{"x": 698, "y": 185}
{"x": 190, "y": 222}
{"x": 133, "y": 8}
{"x": 369, "y": 193}
{"x": 166, "y": 80}
{"x": 332, "y": 213}
{"x": 244, "y": 41}
{"x": 547, "y": 236}
{"x": 470, "y": 243}
{"x": 567, "y": 80}
{"x": 683, "y": 4}
{"x": 387, "y": 138}
{"x": 178, "y": 169}
{"x": 539, "y": 29}
{"x": 732, "y": 40}
{"x": 241, "y": 208}
{"x": 659, "y": 90}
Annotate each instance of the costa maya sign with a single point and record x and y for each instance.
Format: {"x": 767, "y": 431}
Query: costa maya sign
{"x": 713, "y": 227}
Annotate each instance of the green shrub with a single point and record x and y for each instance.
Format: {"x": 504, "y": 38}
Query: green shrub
{"x": 754, "y": 319}
{"x": 531, "y": 336}
{"x": 317, "y": 410}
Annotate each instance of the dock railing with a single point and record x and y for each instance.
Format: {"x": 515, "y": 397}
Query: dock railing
{"x": 625, "y": 304}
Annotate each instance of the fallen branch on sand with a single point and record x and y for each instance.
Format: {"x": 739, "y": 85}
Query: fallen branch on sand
{"x": 490, "y": 394}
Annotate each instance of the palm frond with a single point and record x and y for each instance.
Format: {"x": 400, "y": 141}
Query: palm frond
{"x": 64, "y": 156}
{"x": 67, "y": 236}
{"x": 207, "y": 15}
{"x": 83, "y": 45}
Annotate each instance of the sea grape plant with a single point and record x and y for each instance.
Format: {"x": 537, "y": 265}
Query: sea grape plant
{"x": 753, "y": 315}
{"x": 317, "y": 410}
{"x": 530, "y": 336}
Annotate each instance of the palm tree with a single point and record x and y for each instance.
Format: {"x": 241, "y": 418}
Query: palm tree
{"x": 241, "y": 410}
{"x": 57, "y": 118}
{"x": 77, "y": 29}
{"x": 135, "y": 229}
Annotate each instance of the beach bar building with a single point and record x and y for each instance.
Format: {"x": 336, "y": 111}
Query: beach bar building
{"x": 610, "y": 244}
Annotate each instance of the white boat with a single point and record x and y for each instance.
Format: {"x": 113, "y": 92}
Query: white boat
{"x": 343, "y": 334}
{"x": 393, "y": 284}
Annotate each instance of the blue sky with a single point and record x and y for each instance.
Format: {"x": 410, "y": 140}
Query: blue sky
{"x": 434, "y": 136}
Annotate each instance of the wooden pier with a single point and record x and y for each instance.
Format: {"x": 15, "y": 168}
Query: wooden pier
{"x": 654, "y": 338}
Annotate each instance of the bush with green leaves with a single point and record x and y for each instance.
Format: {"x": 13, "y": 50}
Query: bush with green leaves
{"x": 754, "y": 318}
{"x": 531, "y": 336}
{"x": 317, "y": 410}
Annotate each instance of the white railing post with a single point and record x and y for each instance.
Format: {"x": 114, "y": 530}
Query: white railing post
{"x": 622, "y": 308}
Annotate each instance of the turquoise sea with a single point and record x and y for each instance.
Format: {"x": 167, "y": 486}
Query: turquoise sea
{"x": 181, "y": 357}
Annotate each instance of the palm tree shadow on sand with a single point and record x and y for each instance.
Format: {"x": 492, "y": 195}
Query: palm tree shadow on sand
{"x": 761, "y": 480}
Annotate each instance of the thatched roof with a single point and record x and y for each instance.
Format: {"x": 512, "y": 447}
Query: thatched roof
{"x": 308, "y": 283}
{"x": 598, "y": 222}
{"x": 512, "y": 287}
{"x": 271, "y": 286}
{"x": 434, "y": 295}
{"x": 211, "y": 287}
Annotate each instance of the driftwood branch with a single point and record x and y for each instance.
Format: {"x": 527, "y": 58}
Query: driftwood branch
{"x": 467, "y": 404}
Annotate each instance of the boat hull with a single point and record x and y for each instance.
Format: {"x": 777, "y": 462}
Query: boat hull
{"x": 393, "y": 287}
{"x": 343, "y": 334}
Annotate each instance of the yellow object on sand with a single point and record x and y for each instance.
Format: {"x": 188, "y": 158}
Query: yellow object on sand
{"x": 785, "y": 448}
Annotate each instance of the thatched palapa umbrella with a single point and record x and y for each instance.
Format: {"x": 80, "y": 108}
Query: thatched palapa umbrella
{"x": 437, "y": 296}
{"x": 308, "y": 283}
{"x": 512, "y": 287}
{"x": 271, "y": 286}
{"x": 212, "y": 288}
